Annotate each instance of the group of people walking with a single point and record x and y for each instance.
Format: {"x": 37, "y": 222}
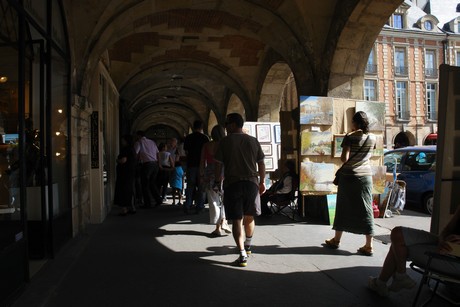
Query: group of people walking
{"x": 144, "y": 171}
{"x": 229, "y": 171}
{"x": 232, "y": 163}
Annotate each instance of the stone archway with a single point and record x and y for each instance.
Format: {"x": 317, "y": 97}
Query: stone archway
{"x": 236, "y": 106}
{"x": 212, "y": 121}
{"x": 273, "y": 92}
{"x": 404, "y": 139}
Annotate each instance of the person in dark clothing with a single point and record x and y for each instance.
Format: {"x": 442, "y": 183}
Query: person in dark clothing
{"x": 126, "y": 169}
{"x": 281, "y": 190}
{"x": 192, "y": 145}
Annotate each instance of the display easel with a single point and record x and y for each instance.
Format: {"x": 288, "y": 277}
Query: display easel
{"x": 324, "y": 121}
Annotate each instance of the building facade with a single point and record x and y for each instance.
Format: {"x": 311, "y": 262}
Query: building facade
{"x": 403, "y": 68}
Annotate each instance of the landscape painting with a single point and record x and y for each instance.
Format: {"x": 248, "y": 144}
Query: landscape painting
{"x": 337, "y": 148}
{"x": 316, "y": 110}
{"x": 378, "y": 179}
{"x": 375, "y": 112}
{"x": 316, "y": 143}
{"x": 378, "y": 150}
{"x": 317, "y": 177}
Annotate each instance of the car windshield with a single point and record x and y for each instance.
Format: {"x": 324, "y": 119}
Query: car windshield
{"x": 391, "y": 159}
{"x": 419, "y": 161}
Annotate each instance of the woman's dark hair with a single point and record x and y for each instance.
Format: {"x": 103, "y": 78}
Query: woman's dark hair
{"x": 217, "y": 133}
{"x": 161, "y": 146}
{"x": 361, "y": 120}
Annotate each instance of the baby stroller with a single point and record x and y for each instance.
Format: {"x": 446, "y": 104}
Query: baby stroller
{"x": 394, "y": 198}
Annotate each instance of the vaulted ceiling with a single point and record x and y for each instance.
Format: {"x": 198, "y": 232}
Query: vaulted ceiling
{"x": 174, "y": 61}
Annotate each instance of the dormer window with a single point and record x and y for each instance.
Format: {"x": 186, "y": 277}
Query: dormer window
{"x": 398, "y": 21}
{"x": 428, "y": 25}
{"x": 453, "y": 25}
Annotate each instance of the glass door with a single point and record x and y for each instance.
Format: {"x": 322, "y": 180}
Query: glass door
{"x": 34, "y": 149}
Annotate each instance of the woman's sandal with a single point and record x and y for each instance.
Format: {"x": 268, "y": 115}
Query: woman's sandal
{"x": 332, "y": 243}
{"x": 365, "y": 250}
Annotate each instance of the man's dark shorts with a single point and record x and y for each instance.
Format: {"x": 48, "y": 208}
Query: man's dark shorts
{"x": 240, "y": 199}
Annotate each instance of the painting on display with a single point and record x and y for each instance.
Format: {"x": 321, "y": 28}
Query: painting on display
{"x": 266, "y": 149}
{"x": 317, "y": 177}
{"x": 337, "y": 145}
{"x": 378, "y": 150}
{"x": 375, "y": 113}
{"x": 316, "y": 143}
{"x": 248, "y": 129}
{"x": 277, "y": 133}
{"x": 263, "y": 133}
{"x": 378, "y": 179}
{"x": 316, "y": 110}
{"x": 269, "y": 163}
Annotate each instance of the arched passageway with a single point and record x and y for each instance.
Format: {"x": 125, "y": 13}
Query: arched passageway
{"x": 190, "y": 59}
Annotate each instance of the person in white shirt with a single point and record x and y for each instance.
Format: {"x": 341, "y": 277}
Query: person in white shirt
{"x": 147, "y": 154}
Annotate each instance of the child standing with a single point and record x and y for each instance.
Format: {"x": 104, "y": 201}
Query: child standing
{"x": 176, "y": 182}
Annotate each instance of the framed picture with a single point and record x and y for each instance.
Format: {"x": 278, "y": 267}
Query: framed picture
{"x": 337, "y": 145}
{"x": 279, "y": 151}
{"x": 263, "y": 133}
{"x": 375, "y": 113}
{"x": 248, "y": 129}
{"x": 268, "y": 163}
{"x": 317, "y": 177}
{"x": 266, "y": 149}
{"x": 315, "y": 110}
{"x": 316, "y": 143}
{"x": 277, "y": 132}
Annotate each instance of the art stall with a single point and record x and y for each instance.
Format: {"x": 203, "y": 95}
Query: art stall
{"x": 269, "y": 136}
{"x": 324, "y": 121}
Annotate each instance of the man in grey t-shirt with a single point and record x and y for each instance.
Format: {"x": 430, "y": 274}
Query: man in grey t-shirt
{"x": 242, "y": 159}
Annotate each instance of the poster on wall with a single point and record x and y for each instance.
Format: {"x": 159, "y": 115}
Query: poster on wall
{"x": 317, "y": 177}
{"x": 375, "y": 113}
{"x": 316, "y": 143}
{"x": 316, "y": 110}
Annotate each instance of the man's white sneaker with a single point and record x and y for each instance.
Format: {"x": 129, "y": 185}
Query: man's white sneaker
{"x": 402, "y": 282}
{"x": 378, "y": 286}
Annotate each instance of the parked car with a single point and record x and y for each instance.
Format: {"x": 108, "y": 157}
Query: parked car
{"x": 416, "y": 166}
